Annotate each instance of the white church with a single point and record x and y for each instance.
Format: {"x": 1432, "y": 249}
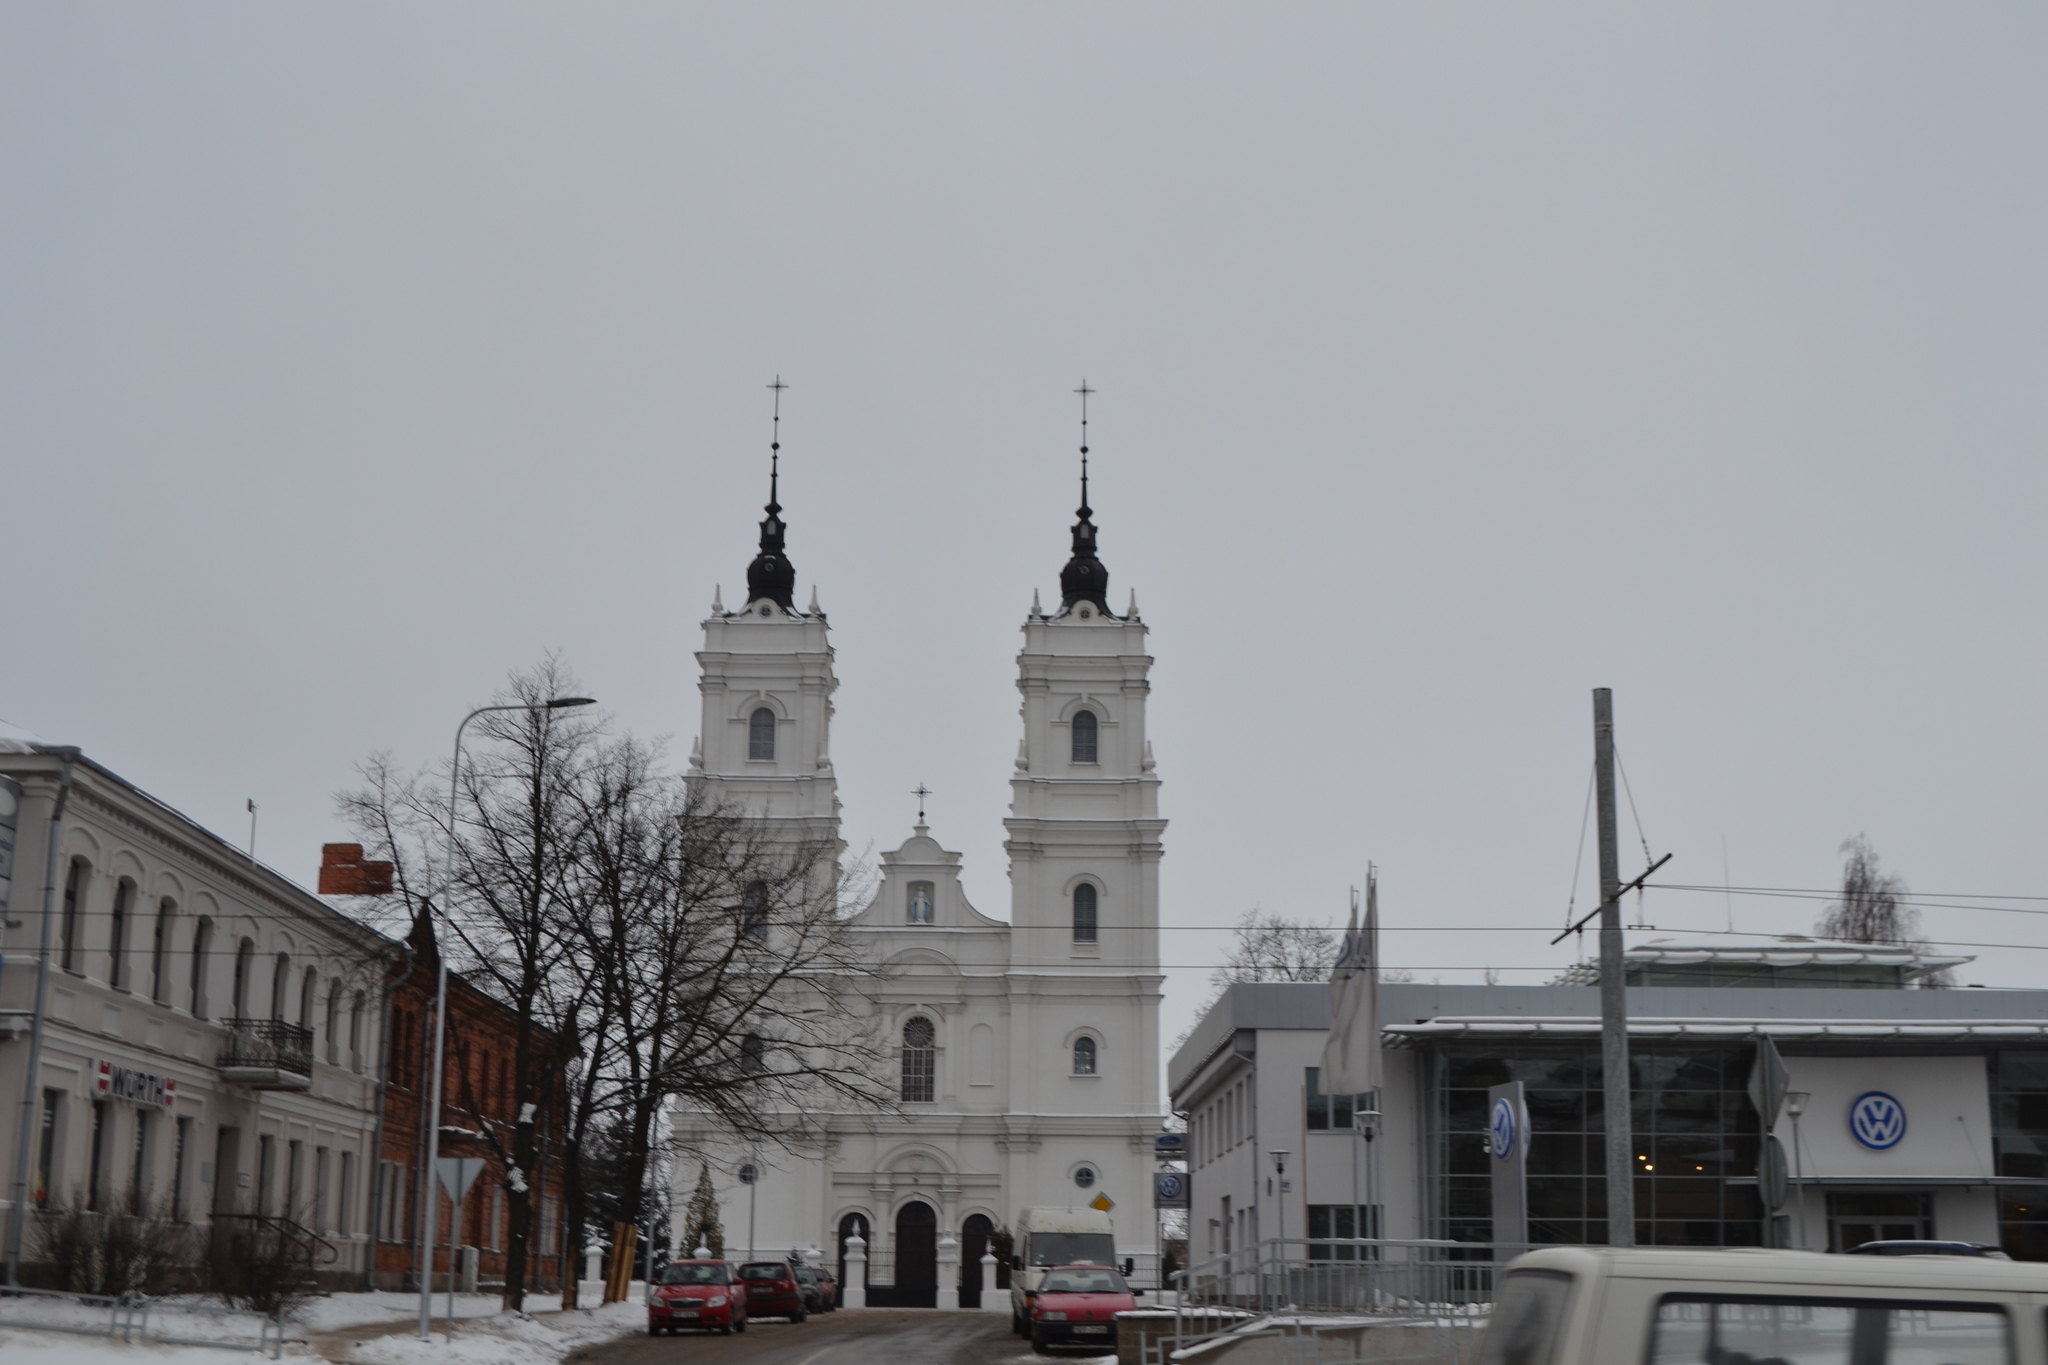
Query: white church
{"x": 1027, "y": 1051}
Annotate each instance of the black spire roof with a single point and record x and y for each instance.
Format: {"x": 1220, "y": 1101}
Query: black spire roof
{"x": 1084, "y": 579}
{"x": 771, "y": 575}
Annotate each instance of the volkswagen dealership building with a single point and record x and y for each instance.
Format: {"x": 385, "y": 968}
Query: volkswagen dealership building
{"x": 1912, "y": 1112}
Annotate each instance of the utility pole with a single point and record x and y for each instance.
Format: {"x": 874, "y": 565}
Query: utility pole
{"x": 1621, "y": 1189}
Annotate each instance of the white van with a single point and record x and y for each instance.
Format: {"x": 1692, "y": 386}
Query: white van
{"x": 1048, "y": 1237}
{"x": 1627, "y": 1306}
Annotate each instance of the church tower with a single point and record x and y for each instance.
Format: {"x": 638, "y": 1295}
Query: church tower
{"x": 765, "y": 674}
{"x": 1084, "y": 840}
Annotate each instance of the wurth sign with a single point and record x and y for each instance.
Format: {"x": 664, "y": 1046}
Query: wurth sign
{"x": 137, "y": 1087}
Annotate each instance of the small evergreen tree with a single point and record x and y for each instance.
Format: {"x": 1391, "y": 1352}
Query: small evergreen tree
{"x": 704, "y": 1229}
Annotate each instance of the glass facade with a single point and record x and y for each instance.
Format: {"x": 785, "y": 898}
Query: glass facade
{"x": 1769, "y": 975}
{"x": 1693, "y": 1124}
{"x": 2019, "y": 1146}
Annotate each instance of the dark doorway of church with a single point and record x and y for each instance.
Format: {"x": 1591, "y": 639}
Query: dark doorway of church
{"x": 973, "y": 1242}
{"x": 917, "y": 1257}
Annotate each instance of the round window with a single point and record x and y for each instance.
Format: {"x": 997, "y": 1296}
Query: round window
{"x": 1085, "y": 1177}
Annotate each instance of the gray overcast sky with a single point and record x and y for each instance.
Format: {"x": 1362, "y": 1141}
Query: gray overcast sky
{"x": 1453, "y": 361}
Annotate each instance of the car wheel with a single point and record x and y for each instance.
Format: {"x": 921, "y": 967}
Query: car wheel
{"x": 1038, "y": 1345}
{"x": 740, "y": 1326}
{"x": 728, "y": 1328}
{"x": 798, "y": 1316}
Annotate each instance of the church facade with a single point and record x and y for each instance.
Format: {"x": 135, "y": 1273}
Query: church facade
{"x": 1025, "y": 1052}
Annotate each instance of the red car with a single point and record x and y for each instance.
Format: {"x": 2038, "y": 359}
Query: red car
{"x": 773, "y": 1290}
{"x": 696, "y": 1294}
{"x": 1076, "y": 1305}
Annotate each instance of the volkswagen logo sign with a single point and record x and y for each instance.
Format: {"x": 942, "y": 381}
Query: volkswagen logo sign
{"x": 1503, "y": 1129}
{"x": 1171, "y": 1186}
{"x": 1877, "y": 1120}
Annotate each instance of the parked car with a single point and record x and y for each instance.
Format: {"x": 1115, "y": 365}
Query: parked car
{"x": 821, "y": 1291}
{"x": 773, "y": 1290}
{"x": 1076, "y": 1305}
{"x": 1905, "y": 1248}
{"x": 695, "y": 1294}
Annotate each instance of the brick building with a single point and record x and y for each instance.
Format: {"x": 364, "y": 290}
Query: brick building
{"x": 477, "y": 1116}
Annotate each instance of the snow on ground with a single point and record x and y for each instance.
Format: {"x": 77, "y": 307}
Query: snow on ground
{"x": 482, "y": 1333}
{"x": 541, "y": 1339}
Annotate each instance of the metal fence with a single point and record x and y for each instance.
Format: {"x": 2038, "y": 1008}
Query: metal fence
{"x": 135, "y": 1316}
{"x": 1374, "y": 1276}
{"x": 267, "y": 1043}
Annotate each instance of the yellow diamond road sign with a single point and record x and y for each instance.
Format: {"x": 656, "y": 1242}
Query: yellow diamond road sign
{"x": 1103, "y": 1202}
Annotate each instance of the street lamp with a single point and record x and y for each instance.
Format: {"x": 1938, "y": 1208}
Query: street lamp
{"x": 1795, "y": 1105}
{"x": 430, "y": 1213}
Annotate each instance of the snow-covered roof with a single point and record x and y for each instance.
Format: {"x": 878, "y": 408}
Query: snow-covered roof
{"x": 16, "y": 739}
{"x": 1586, "y": 1026}
{"x": 1776, "y": 950}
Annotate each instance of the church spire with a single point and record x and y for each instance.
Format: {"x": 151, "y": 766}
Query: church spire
{"x": 771, "y": 575}
{"x": 1084, "y": 579}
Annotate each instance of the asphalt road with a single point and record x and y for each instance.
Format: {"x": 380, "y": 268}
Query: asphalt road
{"x": 871, "y": 1336}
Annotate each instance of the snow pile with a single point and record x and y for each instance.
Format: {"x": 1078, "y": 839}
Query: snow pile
{"x": 506, "y": 1339}
{"x": 334, "y": 1312}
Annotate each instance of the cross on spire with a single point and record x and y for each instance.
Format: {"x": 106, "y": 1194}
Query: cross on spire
{"x": 775, "y": 445}
{"x": 921, "y": 792}
{"x": 1084, "y": 391}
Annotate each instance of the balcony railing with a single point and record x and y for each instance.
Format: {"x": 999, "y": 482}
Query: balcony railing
{"x": 267, "y": 1045}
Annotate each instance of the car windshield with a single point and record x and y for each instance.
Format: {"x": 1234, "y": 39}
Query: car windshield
{"x": 807, "y": 1275}
{"x": 764, "y": 1270}
{"x": 1070, "y": 1248}
{"x": 1084, "y": 1282}
{"x": 697, "y": 1274}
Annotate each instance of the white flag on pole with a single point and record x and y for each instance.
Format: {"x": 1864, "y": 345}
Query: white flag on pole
{"x": 1351, "y": 1057}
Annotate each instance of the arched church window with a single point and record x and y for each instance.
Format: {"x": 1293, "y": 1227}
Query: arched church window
{"x": 1084, "y": 1057}
{"x": 1083, "y": 729}
{"x": 1084, "y": 913}
{"x": 1085, "y": 1177}
{"x": 920, "y": 1060}
{"x": 761, "y": 734}
{"x": 754, "y": 912}
{"x": 920, "y": 909}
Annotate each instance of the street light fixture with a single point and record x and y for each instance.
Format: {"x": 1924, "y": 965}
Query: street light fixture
{"x": 430, "y": 1213}
{"x": 1795, "y": 1105}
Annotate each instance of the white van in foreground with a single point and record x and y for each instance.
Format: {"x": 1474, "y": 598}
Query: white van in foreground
{"x": 1048, "y": 1237}
{"x": 1622, "y": 1306}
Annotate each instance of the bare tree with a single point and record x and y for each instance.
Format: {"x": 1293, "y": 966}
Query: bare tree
{"x": 1873, "y": 908}
{"x": 1266, "y": 947}
{"x": 651, "y": 944}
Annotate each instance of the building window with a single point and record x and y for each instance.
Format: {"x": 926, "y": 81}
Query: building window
{"x": 138, "y": 1173}
{"x": 1084, "y": 1057}
{"x": 1082, "y": 728}
{"x": 761, "y": 734}
{"x": 159, "y": 952}
{"x": 1342, "y": 1221}
{"x": 334, "y": 1022}
{"x": 1326, "y": 1112}
{"x": 280, "y": 983}
{"x": 753, "y": 1055}
{"x": 1084, "y": 913}
{"x": 754, "y": 913}
{"x": 920, "y": 909}
{"x": 355, "y": 1033}
{"x": 1085, "y": 1177}
{"x": 309, "y": 988}
{"x": 202, "y": 942}
{"x": 72, "y": 929}
{"x": 245, "y": 952}
{"x": 180, "y": 1210}
{"x": 920, "y": 1060}
{"x": 95, "y": 1193}
{"x": 117, "y": 938}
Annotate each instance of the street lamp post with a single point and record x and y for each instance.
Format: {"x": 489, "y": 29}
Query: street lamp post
{"x": 1795, "y": 1105}
{"x": 1280, "y": 1155}
{"x": 430, "y": 1212}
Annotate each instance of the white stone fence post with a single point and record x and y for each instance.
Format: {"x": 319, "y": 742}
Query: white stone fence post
{"x": 854, "y": 1293}
{"x": 949, "y": 1271}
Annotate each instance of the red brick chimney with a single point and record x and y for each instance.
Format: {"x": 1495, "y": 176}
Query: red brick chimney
{"x": 344, "y": 873}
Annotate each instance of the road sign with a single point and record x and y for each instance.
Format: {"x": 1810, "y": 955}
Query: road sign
{"x": 749, "y": 1174}
{"x": 1102, "y": 1202}
{"x": 458, "y": 1173}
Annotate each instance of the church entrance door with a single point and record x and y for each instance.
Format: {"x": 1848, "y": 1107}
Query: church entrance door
{"x": 973, "y": 1242}
{"x": 917, "y": 1257}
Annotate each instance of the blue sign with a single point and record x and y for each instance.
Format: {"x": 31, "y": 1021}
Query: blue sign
{"x": 1171, "y": 1186}
{"x": 1503, "y": 1129}
{"x": 1877, "y": 1120}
